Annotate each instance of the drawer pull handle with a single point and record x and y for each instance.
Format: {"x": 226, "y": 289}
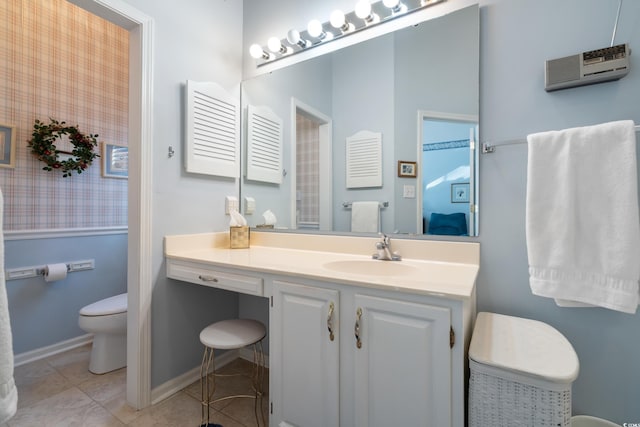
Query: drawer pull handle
{"x": 357, "y": 327}
{"x": 330, "y": 321}
{"x": 208, "y": 278}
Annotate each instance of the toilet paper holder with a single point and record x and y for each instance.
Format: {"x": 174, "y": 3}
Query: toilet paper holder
{"x": 27, "y": 272}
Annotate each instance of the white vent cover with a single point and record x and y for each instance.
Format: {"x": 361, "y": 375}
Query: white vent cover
{"x": 264, "y": 145}
{"x": 364, "y": 160}
{"x": 212, "y": 130}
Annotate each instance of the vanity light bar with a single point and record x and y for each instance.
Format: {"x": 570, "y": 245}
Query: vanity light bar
{"x": 324, "y": 32}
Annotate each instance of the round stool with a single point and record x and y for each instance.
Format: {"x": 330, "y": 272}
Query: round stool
{"x": 231, "y": 335}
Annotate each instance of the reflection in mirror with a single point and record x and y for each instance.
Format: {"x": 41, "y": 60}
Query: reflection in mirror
{"x": 402, "y": 85}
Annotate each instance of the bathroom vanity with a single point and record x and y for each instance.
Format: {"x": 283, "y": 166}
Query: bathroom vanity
{"x": 353, "y": 341}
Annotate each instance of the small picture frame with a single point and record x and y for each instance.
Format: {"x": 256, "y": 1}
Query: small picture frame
{"x": 115, "y": 161}
{"x": 407, "y": 169}
{"x": 7, "y": 146}
{"x": 460, "y": 192}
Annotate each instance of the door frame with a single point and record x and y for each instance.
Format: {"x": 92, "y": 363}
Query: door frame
{"x": 140, "y": 133}
{"x": 453, "y": 117}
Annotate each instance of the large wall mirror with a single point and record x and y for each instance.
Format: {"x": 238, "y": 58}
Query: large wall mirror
{"x": 377, "y": 136}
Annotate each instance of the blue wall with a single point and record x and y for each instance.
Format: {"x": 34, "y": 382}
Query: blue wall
{"x": 517, "y": 36}
{"x": 44, "y": 314}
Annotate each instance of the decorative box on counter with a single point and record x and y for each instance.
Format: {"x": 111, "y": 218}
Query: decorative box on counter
{"x": 239, "y": 237}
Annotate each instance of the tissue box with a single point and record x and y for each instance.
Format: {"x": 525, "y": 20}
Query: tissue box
{"x": 239, "y": 237}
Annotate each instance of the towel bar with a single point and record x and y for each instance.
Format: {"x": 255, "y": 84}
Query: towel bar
{"x": 490, "y": 147}
{"x": 347, "y": 205}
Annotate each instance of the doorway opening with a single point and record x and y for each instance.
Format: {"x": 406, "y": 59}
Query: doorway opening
{"x": 311, "y": 164}
{"x": 447, "y": 202}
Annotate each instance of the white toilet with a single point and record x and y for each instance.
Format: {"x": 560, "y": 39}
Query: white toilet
{"x": 107, "y": 321}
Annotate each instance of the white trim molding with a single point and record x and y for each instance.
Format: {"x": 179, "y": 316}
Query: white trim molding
{"x": 56, "y": 233}
{"x": 50, "y": 350}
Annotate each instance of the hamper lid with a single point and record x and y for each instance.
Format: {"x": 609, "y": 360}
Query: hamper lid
{"x": 523, "y": 346}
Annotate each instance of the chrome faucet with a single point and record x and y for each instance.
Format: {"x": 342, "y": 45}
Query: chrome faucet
{"x": 383, "y": 248}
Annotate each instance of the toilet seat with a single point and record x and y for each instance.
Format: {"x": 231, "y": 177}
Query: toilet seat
{"x": 108, "y": 306}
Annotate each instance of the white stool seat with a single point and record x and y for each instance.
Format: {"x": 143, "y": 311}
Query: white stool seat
{"x": 232, "y": 334}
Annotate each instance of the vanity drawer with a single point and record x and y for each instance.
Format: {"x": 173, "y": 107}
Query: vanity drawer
{"x": 208, "y": 276}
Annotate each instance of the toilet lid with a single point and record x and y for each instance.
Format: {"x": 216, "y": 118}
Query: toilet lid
{"x": 111, "y": 305}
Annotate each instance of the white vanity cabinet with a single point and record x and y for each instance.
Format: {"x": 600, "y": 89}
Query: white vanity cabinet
{"x": 402, "y": 363}
{"x": 412, "y": 319}
{"x": 304, "y": 356}
{"x": 389, "y": 362}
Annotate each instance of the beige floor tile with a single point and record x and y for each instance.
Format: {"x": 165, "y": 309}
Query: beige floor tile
{"x": 179, "y": 410}
{"x": 102, "y": 388}
{"x": 73, "y": 364}
{"x": 70, "y": 408}
{"x": 110, "y": 391}
{"x": 243, "y": 411}
{"x": 37, "y": 381}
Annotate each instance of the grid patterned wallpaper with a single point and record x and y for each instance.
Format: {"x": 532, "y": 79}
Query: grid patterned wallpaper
{"x": 307, "y": 171}
{"x": 59, "y": 61}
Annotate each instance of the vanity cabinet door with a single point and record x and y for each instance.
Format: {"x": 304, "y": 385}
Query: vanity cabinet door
{"x": 304, "y": 355}
{"x": 402, "y": 363}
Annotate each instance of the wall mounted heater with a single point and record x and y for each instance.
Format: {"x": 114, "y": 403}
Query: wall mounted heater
{"x": 596, "y": 66}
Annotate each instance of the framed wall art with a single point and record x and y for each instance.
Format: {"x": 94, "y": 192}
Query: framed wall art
{"x": 115, "y": 161}
{"x": 7, "y": 146}
{"x": 407, "y": 169}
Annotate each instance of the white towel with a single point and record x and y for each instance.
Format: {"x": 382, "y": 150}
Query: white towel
{"x": 365, "y": 217}
{"x": 8, "y": 391}
{"x": 582, "y": 222}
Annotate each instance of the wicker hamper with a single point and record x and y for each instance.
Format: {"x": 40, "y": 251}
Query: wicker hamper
{"x": 521, "y": 373}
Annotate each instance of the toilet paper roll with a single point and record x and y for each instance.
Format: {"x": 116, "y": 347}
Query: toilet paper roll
{"x": 53, "y": 272}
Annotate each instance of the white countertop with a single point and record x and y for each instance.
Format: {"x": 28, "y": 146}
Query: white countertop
{"x": 446, "y": 269}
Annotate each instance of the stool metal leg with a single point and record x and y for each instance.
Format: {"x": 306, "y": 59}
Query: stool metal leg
{"x": 258, "y": 381}
{"x": 208, "y": 384}
{"x": 207, "y": 390}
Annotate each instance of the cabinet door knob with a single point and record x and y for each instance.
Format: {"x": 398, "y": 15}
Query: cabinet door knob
{"x": 208, "y": 278}
{"x": 330, "y": 321}
{"x": 357, "y": 327}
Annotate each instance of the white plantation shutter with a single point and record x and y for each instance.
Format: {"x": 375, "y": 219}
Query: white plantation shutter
{"x": 364, "y": 160}
{"x": 264, "y": 145}
{"x": 212, "y": 130}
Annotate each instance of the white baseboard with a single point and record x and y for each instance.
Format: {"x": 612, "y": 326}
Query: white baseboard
{"x": 176, "y": 384}
{"x": 44, "y": 352}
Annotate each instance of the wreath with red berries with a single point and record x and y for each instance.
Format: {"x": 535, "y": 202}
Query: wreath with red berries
{"x": 43, "y": 146}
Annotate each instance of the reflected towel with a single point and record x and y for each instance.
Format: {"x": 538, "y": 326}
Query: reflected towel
{"x": 365, "y": 217}
{"x": 8, "y": 392}
{"x": 582, "y": 222}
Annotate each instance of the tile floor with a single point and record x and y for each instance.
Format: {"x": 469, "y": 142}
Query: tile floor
{"x": 61, "y": 392}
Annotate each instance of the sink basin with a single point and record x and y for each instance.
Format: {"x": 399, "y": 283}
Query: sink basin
{"x": 371, "y": 267}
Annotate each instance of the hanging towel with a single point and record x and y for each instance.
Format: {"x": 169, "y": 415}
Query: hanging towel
{"x": 365, "y": 217}
{"x": 582, "y": 222}
{"x": 8, "y": 391}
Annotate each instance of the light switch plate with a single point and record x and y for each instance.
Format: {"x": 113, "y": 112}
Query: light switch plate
{"x": 409, "y": 192}
{"x": 249, "y": 205}
{"x": 231, "y": 203}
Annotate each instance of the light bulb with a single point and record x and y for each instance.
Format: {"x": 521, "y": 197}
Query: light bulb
{"x": 337, "y": 19}
{"x": 293, "y": 37}
{"x": 395, "y": 6}
{"x": 257, "y": 52}
{"x": 363, "y": 9}
{"x": 314, "y": 28}
{"x": 276, "y": 46}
